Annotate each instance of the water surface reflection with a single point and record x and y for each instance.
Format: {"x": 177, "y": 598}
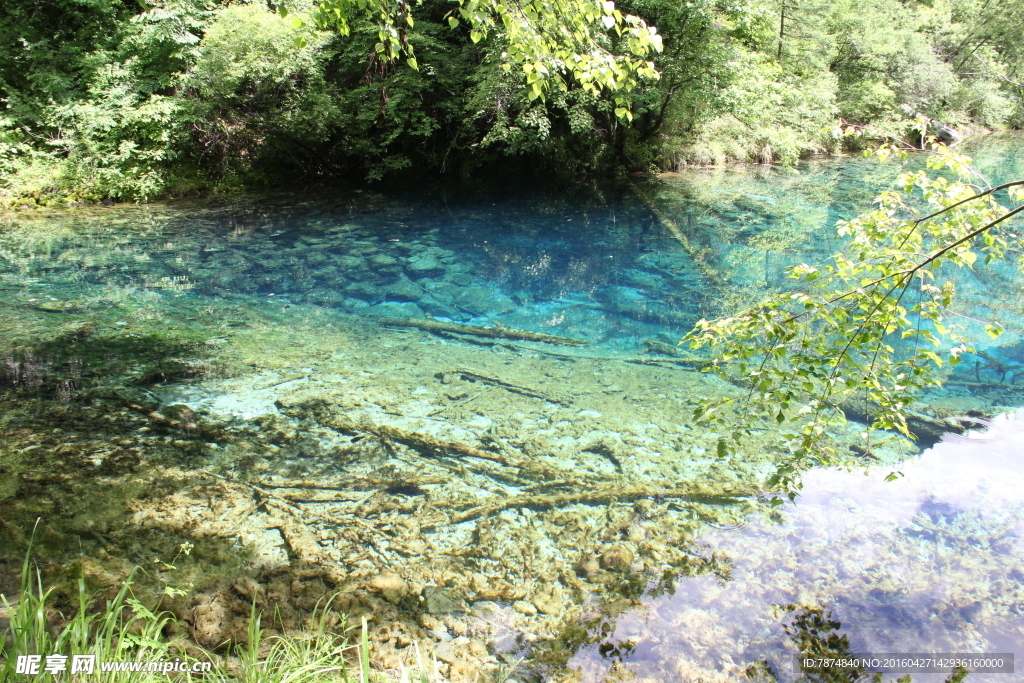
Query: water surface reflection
{"x": 929, "y": 563}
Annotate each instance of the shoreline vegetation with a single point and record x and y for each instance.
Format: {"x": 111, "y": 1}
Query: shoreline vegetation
{"x": 116, "y": 637}
{"x": 77, "y": 199}
{"x": 103, "y": 102}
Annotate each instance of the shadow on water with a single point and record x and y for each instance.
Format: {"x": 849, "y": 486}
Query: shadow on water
{"x": 74, "y": 450}
{"x": 81, "y": 361}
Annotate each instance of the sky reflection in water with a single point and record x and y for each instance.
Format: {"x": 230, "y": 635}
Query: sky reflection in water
{"x": 929, "y": 563}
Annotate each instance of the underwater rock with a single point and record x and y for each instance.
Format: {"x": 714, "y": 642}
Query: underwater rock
{"x": 390, "y": 309}
{"x": 443, "y": 290}
{"x": 437, "y": 600}
{"x": 364, "y": 291}
{"x": 524, "y": 607}
{"x": 328, "y": 273}
{"x": 269, "y": 262}
{"x": 642, "y": 279}
{"x": 171, "y": 370}
{"x": 391, "y": 586}
{"x": 249, "y": 588}
{"x": 383, "y": 261}
{"x": 486, "y": 609}
{"x": 306, "y": 284}
{"x": 624, "y": 298}
{"x": 490, "y": 590}
{"x": 181, "y": 413}
{"x": 269, "y": 549}
{"x": 449, "y": 651}
{"x": 550, "y": 601}
{"x": 617, "y": 559}
{"x": 439, "y": 309}
{"x": 211, "y": 621}
{"x": 350, "y": 263}
{"x": 481, "y": 300}
{"x": 329, "y": 299}
{"x": 588, "y": 566}
{"x": 630, "y": 303}
{"x": 424, "y": 265}
{"x": 403, "y": 290}
{"x": 459, "y": 279}
{"x": 58, "y": 306}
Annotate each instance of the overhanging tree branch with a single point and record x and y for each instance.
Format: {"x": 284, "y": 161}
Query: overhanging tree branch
{"x": 811, "y": 360}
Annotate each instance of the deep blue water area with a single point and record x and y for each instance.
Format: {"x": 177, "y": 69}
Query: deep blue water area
{"x": 594, "y": 263}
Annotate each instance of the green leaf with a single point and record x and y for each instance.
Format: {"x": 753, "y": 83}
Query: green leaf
{"x": 723, "y": 449}
{"x": 453, "y": 22}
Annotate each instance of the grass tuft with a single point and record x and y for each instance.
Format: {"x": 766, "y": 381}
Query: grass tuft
{"x": 124, "y": 630}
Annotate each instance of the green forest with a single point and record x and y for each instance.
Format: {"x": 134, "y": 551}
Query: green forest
{"x": 122, "y": 100}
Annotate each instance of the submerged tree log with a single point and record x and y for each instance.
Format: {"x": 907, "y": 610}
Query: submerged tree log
{"x": 471, "y": 376}
{"x": 422, "y": 442}
{"x": 693, "y": 252}
{"x": 605, "y": 495}
{"x": 496, "y": 332}
{"x": 429, "y": 443}
{"x": 927, "y": 430}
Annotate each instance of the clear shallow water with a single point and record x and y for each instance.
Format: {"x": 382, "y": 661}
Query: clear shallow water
{"x": 258, "y": 312}
{"x": 929, "y": 563}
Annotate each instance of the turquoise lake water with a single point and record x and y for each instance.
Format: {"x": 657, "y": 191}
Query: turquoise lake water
{"x": 257, "y": 317}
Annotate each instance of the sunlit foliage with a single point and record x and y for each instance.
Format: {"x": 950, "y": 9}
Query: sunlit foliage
{"x": 873, "y": 325}
{"x": 113, "y": 99}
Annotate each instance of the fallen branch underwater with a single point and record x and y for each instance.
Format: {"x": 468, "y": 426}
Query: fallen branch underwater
{"x": 927, "y": 430}
{"x": 693, "y": 252}
{"x": 616, "y": 493}
{"x": 429, "y": 443}
{"x": 471, "y": 376}
{"x": 496, "y": 332}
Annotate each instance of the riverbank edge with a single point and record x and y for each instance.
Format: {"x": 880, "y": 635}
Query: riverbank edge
{"x": 677, "y": 154}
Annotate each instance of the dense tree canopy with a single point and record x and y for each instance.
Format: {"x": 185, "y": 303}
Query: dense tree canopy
{"x": 110, "y": 98}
